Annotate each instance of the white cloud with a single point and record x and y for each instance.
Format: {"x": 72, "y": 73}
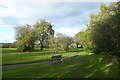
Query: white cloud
{"x": 23, "y": 10}
{"x": 68, "y": 18}
{"x": 71, "y": 31}
{"x": 31, "y": 11}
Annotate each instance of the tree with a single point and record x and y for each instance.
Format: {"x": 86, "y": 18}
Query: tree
{"x": 13, "y": 45}
{"x": 25, "y": 38}
{"x": 43, "y": 31}
{"x": 54, "y": 44}
{"x": 65, "y": 41}
{"x": 83, "y": 38}
{"x": 79, "y": 38}
{"x": 104, "y": 28}
{"x": 60, "y": 42}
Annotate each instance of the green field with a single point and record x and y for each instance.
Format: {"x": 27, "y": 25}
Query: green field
{"x": 11, "y": 56}
{"x": 79, "y": 66}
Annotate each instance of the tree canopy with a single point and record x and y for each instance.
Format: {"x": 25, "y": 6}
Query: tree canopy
{"x": 60, "y": 42}
{"x": 25, "y": 38}
{"x": 27, "y": 35}
{"x": 43, "y": 31}
{"x": 103, "y": 30}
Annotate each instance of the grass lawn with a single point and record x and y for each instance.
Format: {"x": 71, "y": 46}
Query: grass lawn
{"x": 80, "y": 66}
{"x": 11, "y": 56}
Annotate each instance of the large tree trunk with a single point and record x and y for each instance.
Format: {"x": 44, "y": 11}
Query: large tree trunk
{"x": 41, "y": 44}
{"x": 41, "y": 47}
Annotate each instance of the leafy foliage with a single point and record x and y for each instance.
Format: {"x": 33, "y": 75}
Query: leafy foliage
{"x": 43, "y": 31}
{"x": 60, "y": 43}
{"x": 27, "y": 35}
{"x": 84, "y": 38}
{"x": 103, "y": 31}
{"x": 25, "y": 38}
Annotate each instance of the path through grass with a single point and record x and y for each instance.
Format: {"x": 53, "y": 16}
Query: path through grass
{"x": 80, "y": 66}
{"x": 11, "y": 56}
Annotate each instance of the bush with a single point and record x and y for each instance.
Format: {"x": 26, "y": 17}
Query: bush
{"x": 24, "y": 47}
{"x": 5, "y": 45}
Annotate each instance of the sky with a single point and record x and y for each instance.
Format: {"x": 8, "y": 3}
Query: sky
{"x": 67, "y": 17}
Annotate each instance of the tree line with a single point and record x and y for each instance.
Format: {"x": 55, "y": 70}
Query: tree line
{"x": 102, "y": 35}
{"x": 42, "y": 34}
{"x": 8, "y": 45}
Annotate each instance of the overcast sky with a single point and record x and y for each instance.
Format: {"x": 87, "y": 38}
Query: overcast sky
{"x": 67, "y": 17}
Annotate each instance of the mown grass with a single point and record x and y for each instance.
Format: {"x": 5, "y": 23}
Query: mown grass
{"x": 12, "y": 56}
{"x": 80, "y": 66}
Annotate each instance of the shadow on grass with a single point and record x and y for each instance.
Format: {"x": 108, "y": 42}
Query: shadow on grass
{"x": 91, "y": 66}
{"x": 87, "y": 66}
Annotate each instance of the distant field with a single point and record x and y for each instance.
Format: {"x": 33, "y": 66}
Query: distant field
{"x": 12, "y": 56}
{"x": 80, "y": 66}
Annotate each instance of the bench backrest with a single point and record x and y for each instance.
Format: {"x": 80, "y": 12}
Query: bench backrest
{"x": 56, "y": 57}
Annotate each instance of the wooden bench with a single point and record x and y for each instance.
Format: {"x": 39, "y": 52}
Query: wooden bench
{"x": 56, "y": 58}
